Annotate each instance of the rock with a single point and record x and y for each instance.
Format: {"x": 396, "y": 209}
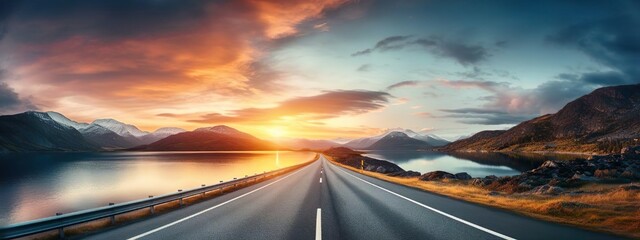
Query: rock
{"x": 606, "y": 173}
{"x": 547, "y": 189}
{"x": 549, "y": 164}
{"x": 381, "y": 169}
{"x": 631, "y": 172}
{"x": 484, "y": 181}
{"x": 525, "y": 186}
{"x": 463, "y": 176}
{"x": 631, "y": 152}
{"x": 436, "y": 175}
{"x": 404, "y": 174}
{"x": 493, "y": 193}
{"x": 582, "y": 177}
{"x": 630, "y": 187}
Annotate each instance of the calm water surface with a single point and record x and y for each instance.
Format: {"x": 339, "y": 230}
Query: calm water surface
{"x": 37, "y": 185}
{"x": 475, "y": 164}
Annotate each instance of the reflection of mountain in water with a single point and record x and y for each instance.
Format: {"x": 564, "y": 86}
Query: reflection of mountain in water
{"x": 518, "y": 161}
{"x": 406, "y": 156}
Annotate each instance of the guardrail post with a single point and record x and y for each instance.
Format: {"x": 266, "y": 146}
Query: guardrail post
{"x": 203, "y": 192}
{"x": 152, "y": 210}
{"x": 181, "y": 203}
{"x": 113, "y": 217}
{"x": 60, "y": 230}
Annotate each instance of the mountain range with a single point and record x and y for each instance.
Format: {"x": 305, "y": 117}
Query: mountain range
{"x": 52, "y": 131}
{"x": 399, "y": 139}
{"x": 603, "y": 121}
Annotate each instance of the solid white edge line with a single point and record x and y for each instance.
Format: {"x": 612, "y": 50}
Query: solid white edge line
{"x": 319, "y": 225}
{"x": 211, "y": 208}
{"x": 497, "y": 234}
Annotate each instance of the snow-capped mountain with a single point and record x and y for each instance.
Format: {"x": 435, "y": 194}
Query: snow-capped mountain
{"x": 160, "y": 134}
{"x": 432, "y": 139}
{"x": 397, "y": 140}
{"x": 97, "y": 133}
{"x": 366, "y": 142}
{"x": 120, "y": 128}
{"x": 66, "y": 121}
{"x": 106, "y": 138}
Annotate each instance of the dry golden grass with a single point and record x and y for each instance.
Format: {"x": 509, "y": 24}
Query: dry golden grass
{"x": 602, "y": 207}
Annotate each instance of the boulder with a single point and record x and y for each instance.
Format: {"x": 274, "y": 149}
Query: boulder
{"x": 549, "y": 164}
{"x": 436, "y": 175}
{"x": 404, "y": 174}
{"x": 462, "y": 176}
{"x": 631, "y": 152}
{"x": 606, "y": 173}
{"x": 547, "y": 190}
{"x": 631, "y": 172}
{"x": 630, "y": 187}
{"x": 582, "y": 177}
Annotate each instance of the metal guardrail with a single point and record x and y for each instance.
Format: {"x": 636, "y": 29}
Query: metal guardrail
{"x": 65, "y": 220}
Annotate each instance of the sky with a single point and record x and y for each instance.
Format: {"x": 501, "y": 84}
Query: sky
{"x": 319, "y": 69}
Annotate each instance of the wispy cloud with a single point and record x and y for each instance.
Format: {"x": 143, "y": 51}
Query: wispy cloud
{"x": 463, "y": 53}
{"x": 330, "y": 104}
{"x": 402, "y": 84}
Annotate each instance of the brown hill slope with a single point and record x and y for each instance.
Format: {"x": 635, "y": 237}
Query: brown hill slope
{"x": 210, "y": 139}
{"x": 603, "y": 121}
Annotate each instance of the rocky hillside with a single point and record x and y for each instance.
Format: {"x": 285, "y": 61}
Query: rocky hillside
{"x": 603, "y": 121}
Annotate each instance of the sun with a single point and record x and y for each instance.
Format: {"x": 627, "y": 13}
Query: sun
{"x": 276, "y": 132}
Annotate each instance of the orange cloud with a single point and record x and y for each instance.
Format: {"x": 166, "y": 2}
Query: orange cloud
{"x": 281, "y": 17}
{"x": 82, "y": 56}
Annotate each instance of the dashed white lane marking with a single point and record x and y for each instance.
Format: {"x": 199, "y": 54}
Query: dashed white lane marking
{"x": 318, "y": 225}
{"x": 494, "y": 233}
{"x": 214, "y": 207}
{"x": 320, "y": 180}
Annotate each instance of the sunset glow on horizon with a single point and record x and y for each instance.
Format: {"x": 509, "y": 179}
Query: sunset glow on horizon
{"x": 321, "y": 69}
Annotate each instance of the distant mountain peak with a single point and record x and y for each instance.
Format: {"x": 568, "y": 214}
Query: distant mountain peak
{"x": 168, "y": 130}
{"x": 398, "y": 140}
{"x": 431, "y": 139}
{"x": 396, "y": 134}
{"x": 62, "y": 119}
{"x": 120, "y": 128}
{"x": 218, "y": 128}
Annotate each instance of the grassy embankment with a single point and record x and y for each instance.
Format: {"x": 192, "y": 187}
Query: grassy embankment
{"x": 601, "y": 207}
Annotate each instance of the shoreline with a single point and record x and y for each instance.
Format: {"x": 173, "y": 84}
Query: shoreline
{"x": 596, "y": 202}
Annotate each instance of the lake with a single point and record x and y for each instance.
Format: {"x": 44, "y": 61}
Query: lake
{"x": 475, "y": 164}
{"x": 37, "y": 185}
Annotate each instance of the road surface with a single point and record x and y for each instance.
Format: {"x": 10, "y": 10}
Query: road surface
{"x": 324, "y": 201}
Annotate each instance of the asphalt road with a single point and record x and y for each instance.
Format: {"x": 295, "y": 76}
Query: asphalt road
{"x": 325, "y": 201}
